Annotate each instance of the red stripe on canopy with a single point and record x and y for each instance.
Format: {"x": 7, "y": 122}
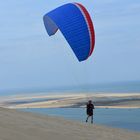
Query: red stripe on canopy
{"x": 91, "y": 28}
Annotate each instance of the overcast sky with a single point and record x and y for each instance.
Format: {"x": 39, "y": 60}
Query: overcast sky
{"x": 29, "y": 58}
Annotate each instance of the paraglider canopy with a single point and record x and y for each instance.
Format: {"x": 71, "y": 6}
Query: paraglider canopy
{"x": 74, "y": 21}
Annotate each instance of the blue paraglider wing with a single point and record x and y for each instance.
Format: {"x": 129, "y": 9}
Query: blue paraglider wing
{"x": 75, "y": 23}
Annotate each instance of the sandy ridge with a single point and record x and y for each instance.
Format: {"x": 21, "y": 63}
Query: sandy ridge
{"x": 16, "y": 125}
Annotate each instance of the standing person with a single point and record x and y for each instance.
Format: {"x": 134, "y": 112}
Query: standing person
{"x": 90, "y": 108}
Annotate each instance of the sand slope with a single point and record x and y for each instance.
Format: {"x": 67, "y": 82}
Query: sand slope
{"x": 16, "y": 125}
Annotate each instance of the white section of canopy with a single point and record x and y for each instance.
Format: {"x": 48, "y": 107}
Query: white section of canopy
{"x": 51, "y": 27}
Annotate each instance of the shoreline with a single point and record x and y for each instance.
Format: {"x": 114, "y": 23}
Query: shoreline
{"x": 124, "y": 100}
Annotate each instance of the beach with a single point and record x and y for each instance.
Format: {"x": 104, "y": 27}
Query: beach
{"x": 15, "y": 125}
{"x": 100, "y": 100}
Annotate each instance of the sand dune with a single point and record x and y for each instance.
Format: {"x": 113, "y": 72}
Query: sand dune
{"x": 16, "y": 125}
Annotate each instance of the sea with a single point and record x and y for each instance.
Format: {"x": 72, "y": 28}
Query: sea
{"x": 117, "y": 118}
{"x": 114, "y": 87}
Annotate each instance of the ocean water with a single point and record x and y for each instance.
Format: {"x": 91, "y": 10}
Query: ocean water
{"x": 119, "y": 118}
{"x": 114, "y": 87}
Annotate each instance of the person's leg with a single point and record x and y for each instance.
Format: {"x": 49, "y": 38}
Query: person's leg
{"x": 92, "y": 119}
{"x": 87, "y": 118}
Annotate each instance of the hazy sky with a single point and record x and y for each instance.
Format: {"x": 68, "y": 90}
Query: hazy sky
{"x": 29, "y": 58}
